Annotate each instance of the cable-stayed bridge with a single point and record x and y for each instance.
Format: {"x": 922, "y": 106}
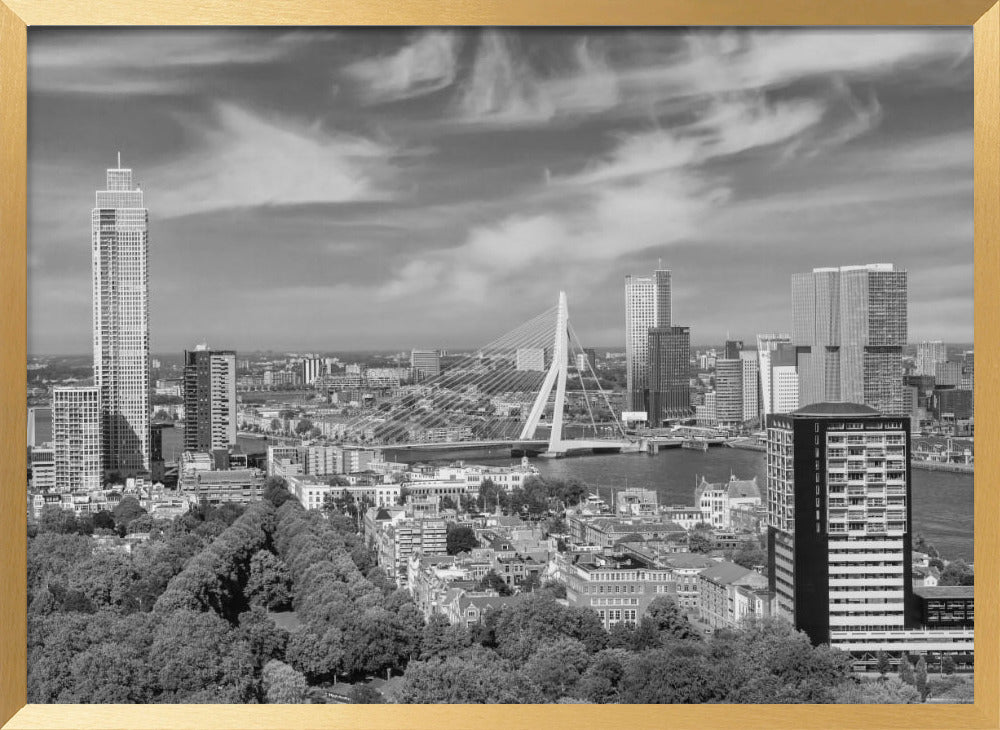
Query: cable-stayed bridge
{"x": 533, "y": 389}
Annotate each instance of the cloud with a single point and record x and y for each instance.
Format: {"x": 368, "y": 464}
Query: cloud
{"x": 247, "y": 160}
{"x": 503, "y": 89}
{"x": 424, "y": 66}
{"x": 144, "y": 61}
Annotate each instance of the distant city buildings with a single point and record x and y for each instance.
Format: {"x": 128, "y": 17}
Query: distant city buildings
{"x": 425, "y": 363}
{"x": 76, "y": 439}
{"x": 209, "y": 399}
{"x": 849, "y": 329}
{"x": 119, "y": 237}
{"x": 929, "y": 354}
{"x": 767, "y": 344}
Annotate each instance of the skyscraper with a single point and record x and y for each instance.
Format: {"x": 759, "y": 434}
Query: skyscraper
{"x": 209, "y": 399}
{"x": 929, "y": 354}
{"x": 729, "y": 391}
{"x": 784, "y": 380}
{"x": 119, "y": 239}
{"x": 425, "y": 363}
{"x": 669, "y": 374}
{"x": 751, "y": 385}
{"x": 76, "y": 438}
{"x": 766, "y": 345}
{"x": 647, "y": 305}
{"x": 838, "y": 501}
{"x": 849, "y": 329}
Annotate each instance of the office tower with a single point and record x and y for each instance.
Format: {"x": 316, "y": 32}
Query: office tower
{"x": 119, "y": 237}
{"x": 766, "y": 345}
{"x": 948, "y": 374}
{"x": 784, "y": 380}
{"x": 732, "y": 349}
{"x": 425, "y": 363}
{"x": 929, "y": 354}
{"x": 849, "y": 329}
{"x": 751, "y": 385}
{"x": 312, "y": 369}
{"x": 647, "y": 305}
{"x": 669, "y": 374}
{"x": 76, "y": 438}
{"x": 530, "y": 358}
{"x": 729, "y": 391}
{"x": 209, "y": 399}
{"x": 838, "y": 501}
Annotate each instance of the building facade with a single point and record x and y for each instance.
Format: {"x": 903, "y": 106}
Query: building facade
{"x": 425, "y": 363}
{"x": 849, "y": 329}
{"x": 766, "y": 345}
{"x": 729, "y": 391}
{"x": 929, "y": 354}
{"x": 76, "y": 439}
{"x": 209, "y": 399}
{"x": 669, "y": 374}
{"x": 647, "y": 305}
{"x": 119, "y": 247}
{"x": 751, "y": 385}
{"x": 838, "y": 496}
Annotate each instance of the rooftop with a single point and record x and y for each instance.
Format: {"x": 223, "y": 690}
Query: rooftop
{"x": 944, "y": 591}
{"x": 836, "y": 409}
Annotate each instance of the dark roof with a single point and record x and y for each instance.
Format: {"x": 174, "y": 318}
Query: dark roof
{"x": 836, "y": 409}
{"x": 944, "y": 591}
{"x": 724, "y": 572}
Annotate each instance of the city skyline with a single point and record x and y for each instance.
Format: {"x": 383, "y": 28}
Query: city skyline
{"x": 413, "y": 178}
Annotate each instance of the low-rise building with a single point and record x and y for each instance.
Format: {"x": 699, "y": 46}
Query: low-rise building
{"x": 716, "y": 500}
{"x": 718, "y": 603}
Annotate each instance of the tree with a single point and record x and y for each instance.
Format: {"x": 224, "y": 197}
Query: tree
{"x": 661, "y": 676}
{"x": 364, "y": 694}
{"x": 303, "y": 427}
{"x": 104, "y": 520}
{"x": 957, "y": 573}
{"x": 491, "y": 495}
{"x": 460, "y": 539}
{"x": 668, "y": 619}
{"x": 882, "y": 663}
{"x": 283, "y": 685}
{"x": 448, "y": 503}
{"x": 906, "y": 671}
{"x": 276, "y": 425}
{"x": 947, "y": 664}
{"x": 266, "y": 639}
{"x": 890, "y": 691}
{"x": 601, "y": 682}
{"x": 556, "y": 668}
{"x": 474, "y": 676}
{"x": 318, "y": 652}
{"x": 127, "y": 510}
{"x": 56, "y": 519}
{"x": 699, "y": 540}
{"x": 269, "y": 583}
{"x": 493, "y": 582}
{"x": 275, "y": 491}
{"x": 920, "y": 678}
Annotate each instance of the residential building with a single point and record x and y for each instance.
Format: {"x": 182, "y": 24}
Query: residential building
{"x": 944, "y": 607}
{"x": 647, "y": 305}
{"x": 716, "y": 501}
{"x": 119, "y": 239}
{"x": 685, "y": 568}
{"x": 669, "y": 374}
{"x": 750, "y": 386}
{"x": 76, "y": 439}
{"x": 313, "y": 368}
{"x": 216, "y": 487}
{"x": 636, "y": 501}
{"x": 729, "y": 391}
{"x": 948, "y": 374}
{"x": 717, "y": 593}
{"x": 618, "y": 588}
{"x": 209, "y": 399}
{"x": 784, "y": 380}
{"x": 42, "y": 461}
{"x": 849, "y": 329}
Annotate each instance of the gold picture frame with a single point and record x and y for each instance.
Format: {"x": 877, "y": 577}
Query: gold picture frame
{"x": 16, "y": 15}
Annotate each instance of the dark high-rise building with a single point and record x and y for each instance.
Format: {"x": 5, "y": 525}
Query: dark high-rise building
{"x": 669, "y": 374}
{"x": 849, "y": 329}
{"x": 838, "y": 501}
{"x": 647, "y": 305}
{"x": 209, "y": 399}
{"x": 729, "y": 391}
{"x": 732, "y": 349}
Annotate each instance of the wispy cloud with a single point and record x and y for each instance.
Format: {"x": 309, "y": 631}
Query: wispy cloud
{"x": 425, "y": 65}
{"x": 245, "y": 160}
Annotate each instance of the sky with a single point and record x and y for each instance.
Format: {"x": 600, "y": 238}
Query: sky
{"x": 363, "y": 189}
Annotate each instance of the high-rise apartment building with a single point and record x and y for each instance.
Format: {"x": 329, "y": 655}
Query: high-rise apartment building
{"x": 425, "y": 363}
{"x": 647, "y": 305}
{"x": 76, "y": 438}
{"x": 929, "y": 354}
{"x": 209, "y": 399}
{"x": 838, "y": 499}
{"x": 849, "y": 329}
{"x": 766, "y": 345}
{"x": 312, "y": 369}
{"x": 784, "y": 380}
{"x": 669, "y": 374}
{"x": 119, "y": 238}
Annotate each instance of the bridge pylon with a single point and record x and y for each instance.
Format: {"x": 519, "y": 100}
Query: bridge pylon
{"x": 554, "y": 378}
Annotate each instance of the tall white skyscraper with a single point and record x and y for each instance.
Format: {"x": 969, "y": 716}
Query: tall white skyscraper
{"x": 766, "y": 345}
{"x": 751, "y": 385}
{"x": 647, "y": 305}
{"x": 119, "y": 240}
{"x": 209, "y": 399}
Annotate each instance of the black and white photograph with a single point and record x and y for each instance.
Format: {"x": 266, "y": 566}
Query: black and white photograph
{"x": 500, "y": 365}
